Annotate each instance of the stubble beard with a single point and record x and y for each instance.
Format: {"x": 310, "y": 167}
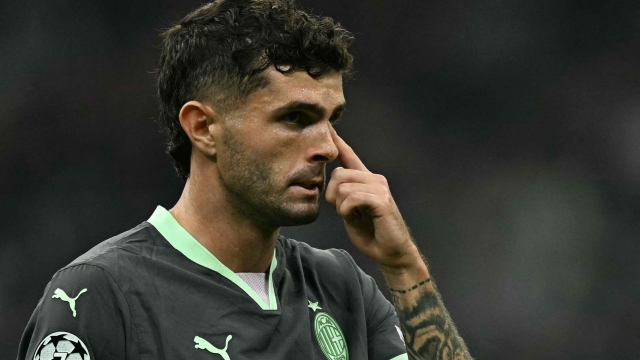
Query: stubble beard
{"x": 254, "y": 193}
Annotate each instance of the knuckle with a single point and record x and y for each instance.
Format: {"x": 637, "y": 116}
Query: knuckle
{"x": 380, "y": 189}
{"x": 381, "y": 179}
{"x": 343, "y": 189}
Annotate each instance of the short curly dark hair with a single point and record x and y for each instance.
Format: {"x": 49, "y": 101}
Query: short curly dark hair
{"x": 219, "y": 52}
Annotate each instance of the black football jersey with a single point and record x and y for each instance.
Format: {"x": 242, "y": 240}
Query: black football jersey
{"x": 154, "y": 292}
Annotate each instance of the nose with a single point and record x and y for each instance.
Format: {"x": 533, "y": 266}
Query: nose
{"x": 325, "y": 150}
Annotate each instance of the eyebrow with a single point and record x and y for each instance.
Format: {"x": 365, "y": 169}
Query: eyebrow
{"x": 310, "y": 107}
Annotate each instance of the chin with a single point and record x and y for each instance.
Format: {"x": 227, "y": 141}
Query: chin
{"x": 301, "y": 215}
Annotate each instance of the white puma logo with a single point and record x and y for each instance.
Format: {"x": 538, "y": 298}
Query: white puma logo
{"x": 204, "y": 344}
{"x": 60, "y": 294}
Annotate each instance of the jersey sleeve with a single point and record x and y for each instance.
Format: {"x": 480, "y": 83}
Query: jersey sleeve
{"x": 385, "y": 340}
{"x": 82, "y": 315}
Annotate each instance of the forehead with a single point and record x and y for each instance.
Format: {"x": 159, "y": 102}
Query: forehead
{"x": 282, "y": 89}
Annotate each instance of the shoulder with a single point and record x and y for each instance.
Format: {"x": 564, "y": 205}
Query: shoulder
{"x": 129, "y": 243}
{"x": 97, "y": 279}
{"x": 84, "y": 303}
{"x": 110, "y": 258}
{"x": 326, "y": 260}
{"x": 307, "y": 252}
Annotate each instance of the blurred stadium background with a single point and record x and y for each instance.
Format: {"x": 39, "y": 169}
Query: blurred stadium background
{"x": 508, "y": 130}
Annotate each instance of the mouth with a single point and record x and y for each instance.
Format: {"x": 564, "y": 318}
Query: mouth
{"x": 310, "y": 187}
{"x": 307, "y": 190}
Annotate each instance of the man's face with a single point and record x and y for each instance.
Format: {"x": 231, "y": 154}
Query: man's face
{"x": 279, "y": 138}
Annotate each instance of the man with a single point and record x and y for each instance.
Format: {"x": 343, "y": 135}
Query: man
{"x": 250, "y": 90}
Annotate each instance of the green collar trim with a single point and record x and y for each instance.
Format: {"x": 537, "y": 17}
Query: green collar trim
{"x": 401, "y": 357}
{"x": 182, "y": 241}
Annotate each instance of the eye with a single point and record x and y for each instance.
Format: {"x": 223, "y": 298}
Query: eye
{"x": 334, "y": 120}
{"x": 294, "y": 117}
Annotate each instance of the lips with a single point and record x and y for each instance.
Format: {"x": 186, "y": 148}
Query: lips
{"x": 313, "y": 190}
{"x": 310, "y": 184}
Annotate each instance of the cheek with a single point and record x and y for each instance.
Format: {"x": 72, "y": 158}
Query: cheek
{"x": 279, "y": 142}
{"x": 276, "y": 148}
{"x": 282, "y": 155}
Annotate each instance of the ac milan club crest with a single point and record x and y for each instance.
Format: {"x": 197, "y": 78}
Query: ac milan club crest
{"x": 330, "y": 337}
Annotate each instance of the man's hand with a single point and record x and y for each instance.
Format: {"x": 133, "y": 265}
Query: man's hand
{"x": 376, "y": 228}
{"x": 371, "y": 217}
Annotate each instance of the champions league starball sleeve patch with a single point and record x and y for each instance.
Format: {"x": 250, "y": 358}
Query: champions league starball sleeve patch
{"x": 80, "y": 302}
{"x": 61, "y": 345}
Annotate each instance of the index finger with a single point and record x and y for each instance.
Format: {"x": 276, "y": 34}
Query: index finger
{"x": 346, "y": 155}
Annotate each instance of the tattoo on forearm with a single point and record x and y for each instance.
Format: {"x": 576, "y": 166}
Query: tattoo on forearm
{"x": 428, "y": 329}
{"x": 410, "y": 289}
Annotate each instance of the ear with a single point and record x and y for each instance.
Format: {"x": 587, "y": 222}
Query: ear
{"x": 200, "y": 121}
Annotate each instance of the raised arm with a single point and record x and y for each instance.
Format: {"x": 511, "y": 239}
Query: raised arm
{"x": 375, "y": 226}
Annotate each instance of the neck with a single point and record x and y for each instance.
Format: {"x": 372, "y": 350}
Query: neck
{"x": 240, "y": 243}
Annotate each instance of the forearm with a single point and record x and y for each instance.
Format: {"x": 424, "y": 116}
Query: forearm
{"x": 428, "y": 329}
